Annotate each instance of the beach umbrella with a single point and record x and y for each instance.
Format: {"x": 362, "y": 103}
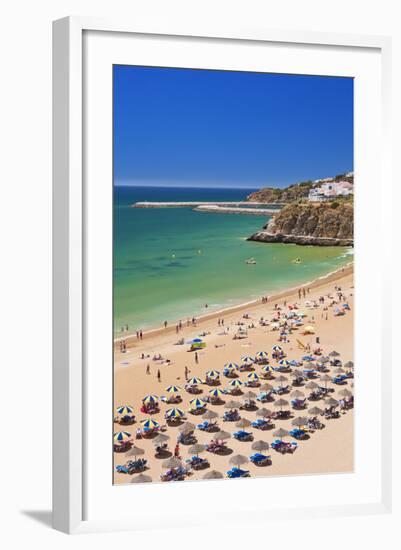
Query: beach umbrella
{"x": 297, "y": 394}
{"x": 186, "y": 427}
{"x": 266, "y": 387}
{"x": 315, "y": 411}
{"x": 253, "y": 377}
{"x": 281, "y": 403}
{"x": 212, "y": 374}
{"x": 230, "y": 366}
{"x": 209, "y": 415}
{"x": 281, "y": 433}
{"x": 260, "y": 445}
{"x": 213, "y": 474}
{"x": 216, "y": 392}
{"x": 284, "y": 363}
{"x": 174, "y": 413}
{"x": 119, "y": 437}
{"x": 349, "y": 365}
{"x": 325, "y": 378}
{"x": 277, "y": 348}
{"x": 331, "y": 402}
{"x": 235, "y": 383}
{"x": 267, "y": 368}
{"x": 238, "y": 460}
{"x": 150, "y": 399}
{"x": 232, "y": 405}
{"x": 281, "y": 379}
{"x": 135, "y": 451}
{"x": 309, "y": 365}
{"x": 345, "y": 393}
{"x": 194, "y": 381}
{"x": 221, "y": 435}
{"x": 172, "y": 462}
{"x": 262, "y": 355}
{"x": 324, "y": 359}
{"x": 195, "y": 341}
{"x": 249, "y": 395}
{"x": 334, "y": 353}
{"x": 243, "y": 423}
{"x": 197, "y": 403}
{"x": 247, "y": 360}
{"x": 339, "y": 370}
{"x": 125, "y": 409}
{"x": 160, "y": 439}
{"x": 173, "y": 389}
{"x": 141, "y": 478}
{"x": 263, "y": 412}
{"x": 312, "y": 385}
{"x": 299, "y": 421}
{"x": 149, "y": 424}
{"x": 197, "y": 449}
{"x": 296, "y": 373}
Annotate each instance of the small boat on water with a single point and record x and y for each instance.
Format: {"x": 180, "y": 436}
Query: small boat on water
{"x": 296, "y": 261}
{"x": 250, "y": 261}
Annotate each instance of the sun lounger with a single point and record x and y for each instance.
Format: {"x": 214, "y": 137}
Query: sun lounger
{"x": 260, "y": 459}
{"x": 241, "y": 435}
{"x": 298, "y": 433}
{"x": 237, "y": 472}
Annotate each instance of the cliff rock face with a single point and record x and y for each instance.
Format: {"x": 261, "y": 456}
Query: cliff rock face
{"x": 324, "y": 224}
{"x": 277, "y": 195}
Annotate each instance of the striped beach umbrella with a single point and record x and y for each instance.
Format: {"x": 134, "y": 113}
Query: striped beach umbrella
{"x": 150, "y": 399}
{"x": 235, "y": 383}
{"x": 197, "y": 403}
{"x": 149, "y": 424}
{"x": 216, "y": 392}
{"x": 262, "y": 355}
{"x": 247, "y": 360}
{"x": 125, "y": 409}
{"x": 174, "y": 413}
{"x": 277, "y": 348}
{"x": 284, "y": 363}
{"x": 253, "y": 377}
{"x": 173, "y": 389}
{"x": 212, "y": 374}
{"x": 194, "y": 381}
{"x": 230, "y": 366}
{"x": 267, "y": 368}
{"x": 119, "y": 437}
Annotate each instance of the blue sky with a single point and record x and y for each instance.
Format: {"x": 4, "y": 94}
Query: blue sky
{"x": 229, "y": 129}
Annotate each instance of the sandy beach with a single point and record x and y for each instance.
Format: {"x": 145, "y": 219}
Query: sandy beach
{"x": 327, "y": 450}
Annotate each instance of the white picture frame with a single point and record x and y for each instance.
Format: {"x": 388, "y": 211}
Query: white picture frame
{"x": 70, "y": 249}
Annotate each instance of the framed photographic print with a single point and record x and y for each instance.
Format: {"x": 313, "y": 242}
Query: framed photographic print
{"x": 216, "y": 304}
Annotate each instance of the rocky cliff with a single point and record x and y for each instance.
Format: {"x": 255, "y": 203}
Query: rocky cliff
{"x": 281, "y": 195}
{"x": 302, "y": 222}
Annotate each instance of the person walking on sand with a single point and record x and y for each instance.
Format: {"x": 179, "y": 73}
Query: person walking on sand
{"x": 177, "y": 450}
{"x": 140, "y": 334}
{"x": 196, "y": 357}
{"x": 165, "y": 324}
{"x": 148, "y": 369}
{"x": 186, "y": 372}
{"x": 158, "y": 375}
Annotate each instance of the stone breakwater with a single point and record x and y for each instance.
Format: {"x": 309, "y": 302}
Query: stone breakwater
{"x": 266, "y": 237}
{"x": 195, "y": 204}
{"x": 236, "y": 210}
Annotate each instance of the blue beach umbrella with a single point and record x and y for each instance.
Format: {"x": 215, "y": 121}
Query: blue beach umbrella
{"x": 284, "y": 363}
{"x": 149, "y": 424}
{"x": 194, "y": 381}
{"x": 247, "y": 359}
{"x": 262, "y": 355}
{"x": 267, "y": 368}
{"x": 173, "y": 389}
{"x": 253, "y": 376}
{"x": 216, "y": 392}
{"x": 197, "y": 403}
{"x": 235, "y": 383}
{"x": 125, "y": 409}
{"x": 174, "y": 413}
{"x": 150, "y": 399}
{"x": 277, "y": 348}
{"x": 212, "y": 374}
{"x": 121, "y": 436}
{"x": 230, "y": 366}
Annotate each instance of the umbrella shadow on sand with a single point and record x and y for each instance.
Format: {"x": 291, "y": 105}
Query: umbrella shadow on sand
{"x": 163, "y": 454}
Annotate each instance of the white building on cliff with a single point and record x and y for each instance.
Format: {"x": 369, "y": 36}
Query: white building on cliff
{"x": 329, "y": 190}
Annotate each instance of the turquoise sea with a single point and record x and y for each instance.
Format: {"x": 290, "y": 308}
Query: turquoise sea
{"x": 170, "y": 262}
